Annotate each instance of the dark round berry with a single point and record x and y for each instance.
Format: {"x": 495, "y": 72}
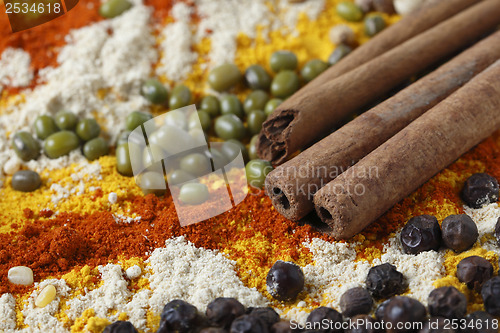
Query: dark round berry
{"x": 479, "y": 322}
{"x": 491, "y": 296}
{"x": 447, "y": 302}
{"x": 459, "y": 232}
{"x": 474, "y": 271}
{"x": 362, "y": 324}
{"x": 248, "y": 324}
{"x": 384, "y": 281}
{"x": 421, "y": 233}
{"x": 178, "y": 315}
{"x": 282, "y": 326}
{"x": 479, "y": 190}
{"x": 285, "y": 280}
{"x": 213, "y": 330}
{"x": 319, "y": 315}
{"x": 437, "y": 325}
{"x": 401, "y": 311}
{"x": 120, "y": 327}
{"x": 356, "y": 301}
{"x": 379, "y": 312}
{"x": 249, "y": 309}
{"x": 222, "y": 311}
{"x": 267, "y": 314}
{"x": 497, "y": 231}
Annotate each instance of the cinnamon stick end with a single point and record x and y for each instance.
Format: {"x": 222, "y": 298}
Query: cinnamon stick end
{"x": 273, "y": 142}
{"x": 284, "y": 197}
{"x": 314, "y": 221}
{"x": 264, "y": 147}
{"x": 337, "y": 219}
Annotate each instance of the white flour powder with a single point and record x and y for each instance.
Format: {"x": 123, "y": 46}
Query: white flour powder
{"x": 15, "y": 68}
{"x": 43, "y": 318}
{"x": 111, "y": 295}
{"x": 82, "y": 173}
{"x": 177, "y": 271}
{"x": 222, "y": 21}
{"x": 420, "y": 270}
{"x": 486, "y": 219}
{"x": 333, "y": 272}
{"x": 113, "y": 55}
{"x": 291, "y": 13}
{"x": 180, "y": 270}
{"x": 7, "y": 312}
{"x": 177, "y": 39}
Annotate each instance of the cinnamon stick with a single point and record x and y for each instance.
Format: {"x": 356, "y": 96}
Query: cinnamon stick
{"x": 316, "y": 111}
{"x": 398, "y": 167}
{"x": 292, "y": 185}
{"x": 408, "y": 27}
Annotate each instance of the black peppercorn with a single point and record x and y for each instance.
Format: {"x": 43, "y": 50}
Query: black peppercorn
{"x": 285, "y": 281}
{"x": 491, "y": 296}
{"x": 437, "y": 325}
{"x": 213, "y": 330}
{"x": 379, "y": 312}
{"x": 401, "y": 311}
{"x": 362, "y": 324}
{"x": 474, "y": 271}
{"x": 480, "y": 322}
{"x": 178, "y": 315}
{"x": 447, "y": 302}
{"x": 479, "y": 190}
{"x": 267, "y": 314}
{"x": 384, "y": 281}
{"x": 282, "y": 326}
{"x": 421, "y": 233}
{"x": 248, "y": 324}
{"x": 459, "y": 232}
{"x": 319, "y": 315}
{"x": 356, "y": 301}
{"x": 120, "y": 327}
{"x": 222, "y": 311}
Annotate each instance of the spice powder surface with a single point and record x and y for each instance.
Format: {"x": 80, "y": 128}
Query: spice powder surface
{"x": 113, "y": 253}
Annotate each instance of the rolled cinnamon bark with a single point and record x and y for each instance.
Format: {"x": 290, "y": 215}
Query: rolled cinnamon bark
{"x": 316, "y": 111}
{"x": 408, "y": 27}
{"x": 398, "y": 167}
{"x": 292, "y": 185}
